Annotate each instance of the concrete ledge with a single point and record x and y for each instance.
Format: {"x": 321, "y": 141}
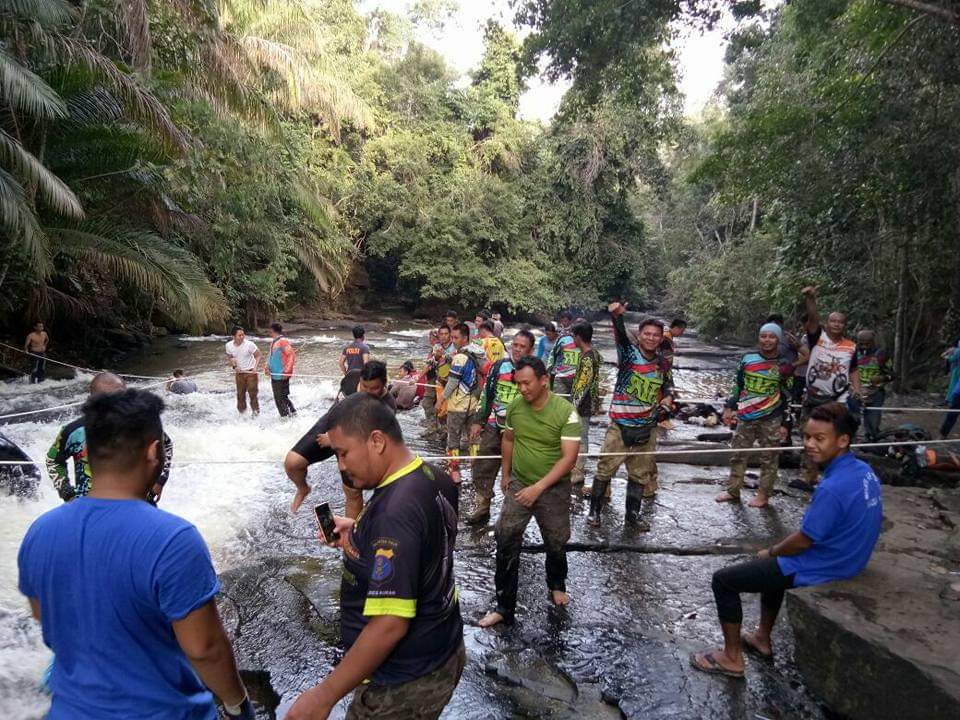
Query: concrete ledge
{"x": 887, "y": 643}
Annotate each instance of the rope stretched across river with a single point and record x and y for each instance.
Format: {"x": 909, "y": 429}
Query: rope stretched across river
{"x": 655, "y": 453}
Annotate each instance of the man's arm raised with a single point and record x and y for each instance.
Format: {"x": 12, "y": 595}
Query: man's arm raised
{"x": 810, "y": 299}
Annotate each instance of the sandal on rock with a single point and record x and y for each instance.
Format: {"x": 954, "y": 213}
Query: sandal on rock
{"x": 712, "y": 667}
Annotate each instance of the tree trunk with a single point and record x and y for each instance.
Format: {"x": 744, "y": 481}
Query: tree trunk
{"x": 900, "y": 339}
{"x": 753, "y": 215}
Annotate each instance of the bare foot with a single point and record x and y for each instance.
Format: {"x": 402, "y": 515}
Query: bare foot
{"x": 560, "y": 598}
{"x": 491, "y": 619}
{"x": 759, "y": 501}
{"x": 726, "y": 497}
{"x": 299, "y": 498}
{"x": 761, "y": 646}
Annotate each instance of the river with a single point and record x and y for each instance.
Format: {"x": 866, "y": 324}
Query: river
{"x": 619, "y": 650}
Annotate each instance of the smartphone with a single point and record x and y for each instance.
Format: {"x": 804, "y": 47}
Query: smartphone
{"x": 325, "y": 520}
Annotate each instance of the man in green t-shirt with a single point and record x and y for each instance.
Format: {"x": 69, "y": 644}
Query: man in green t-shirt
{"x": 540, "y": 442}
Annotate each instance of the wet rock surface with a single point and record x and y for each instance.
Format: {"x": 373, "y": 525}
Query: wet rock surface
{"x": 640, "y": 606}
{"x": 893, "y": 633}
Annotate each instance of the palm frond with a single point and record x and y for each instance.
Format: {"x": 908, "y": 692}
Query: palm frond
{"x": 20, "y": 222}
{"x": 328, "y": 261}
{"x": 138, "y": 102}
{"x": 28, "y": 93}
{"x": 52, "y": 189}
{"x": 141, "y": 259}
{"x": 46, "y": 12}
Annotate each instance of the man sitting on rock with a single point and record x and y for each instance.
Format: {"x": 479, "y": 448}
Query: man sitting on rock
{"x": 834, "y": 542}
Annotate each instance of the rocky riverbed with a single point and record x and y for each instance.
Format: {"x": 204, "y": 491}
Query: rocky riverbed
{"x": 641, "y": 596}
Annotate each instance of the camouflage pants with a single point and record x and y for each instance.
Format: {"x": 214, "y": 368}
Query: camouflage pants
{"x": 764, "y": 432}
{"x": 458, "y": 430}
{"x": 485, "y": 471}
{"x": 429, "y": 405}
{"x": 641, "y": 469}
{"x": 420, "y": 699}
{"x": 552, "y": 513}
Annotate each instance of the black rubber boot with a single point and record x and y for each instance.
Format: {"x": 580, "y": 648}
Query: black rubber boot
{"x": 598, "y": 498}
{"x": 634, "y": 501}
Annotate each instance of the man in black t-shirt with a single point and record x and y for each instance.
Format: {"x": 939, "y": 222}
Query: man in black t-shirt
{"x": 314, "y": 447}
{"x": 399, "y": 605}
{"x": 356, "y": 354}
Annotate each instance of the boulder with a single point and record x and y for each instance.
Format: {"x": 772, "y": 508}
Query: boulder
{"x": 885, "y": 644}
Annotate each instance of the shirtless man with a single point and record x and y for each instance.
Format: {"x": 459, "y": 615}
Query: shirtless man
{"x": 36, "y": 344}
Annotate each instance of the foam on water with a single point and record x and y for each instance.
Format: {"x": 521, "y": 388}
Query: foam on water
{"x": 221, "y": 500}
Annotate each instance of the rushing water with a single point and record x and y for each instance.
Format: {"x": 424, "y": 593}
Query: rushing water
{"x": 619, "y": 639}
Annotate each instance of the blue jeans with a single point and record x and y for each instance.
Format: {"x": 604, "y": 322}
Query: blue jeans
{"x": 951, "y": 418}
{"x": 871, "y": 418}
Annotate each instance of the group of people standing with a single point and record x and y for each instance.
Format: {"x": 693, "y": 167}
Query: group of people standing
{"x": 147, "y": 640}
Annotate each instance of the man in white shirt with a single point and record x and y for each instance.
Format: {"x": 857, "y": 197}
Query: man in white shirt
{"x": 244, "y": 357}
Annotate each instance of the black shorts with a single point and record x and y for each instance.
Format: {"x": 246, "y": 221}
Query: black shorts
{"x": 307, "y": 445}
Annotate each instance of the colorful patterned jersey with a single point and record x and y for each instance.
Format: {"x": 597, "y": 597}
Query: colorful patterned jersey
{"x": 873, "y": 365}
{"x": 564, "y": 358}
{"x": 761, "y": 386}
{"x": 463, "y": 384}
{"x": 494, "y": 349}
{"x": 586, "y": 385}
{"x": 641, "y": 382}
{"x": 499, "y": 391}
{"x": 71, "y": 442}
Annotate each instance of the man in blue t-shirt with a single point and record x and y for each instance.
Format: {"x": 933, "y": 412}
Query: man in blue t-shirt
{"x": 834, "y": 542}
{"x": 124, "y": 591}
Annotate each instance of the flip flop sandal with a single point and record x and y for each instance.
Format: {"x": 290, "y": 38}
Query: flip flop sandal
{"x": 753, "y": 649}
{"x": 714, "y": 668}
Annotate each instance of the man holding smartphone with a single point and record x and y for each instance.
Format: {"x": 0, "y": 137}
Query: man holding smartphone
{"x": 400, "y": 608}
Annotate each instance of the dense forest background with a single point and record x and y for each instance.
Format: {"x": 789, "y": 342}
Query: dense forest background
{"x": 185, "y": 163}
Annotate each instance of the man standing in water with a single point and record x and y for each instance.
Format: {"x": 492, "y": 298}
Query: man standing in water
{"x": 564, "y": 359}
{"x": 760, "y": 397}
{"x": 314, "y": 446}
{"x": 437, "y": 370}
{"x": 36, "y": 344}
{"x": 280, "y": 361}
{"x": 356, "y": 354}
{"x": 490, "y": 421}
{"x": 668, "y": 348}
{"x": 244, "y": 357}
{"x": 399, "y": 605}
{"x": 875, "y": 371}
{"x": 540, "y": 443}
{"x": 642, "y": 394}
{"x": 547, "y": 341}
{"x": 834, "y": 542}
{"x": 585, "y": 394}
{"x": 831, "y": 369}
{"x": 71, "y": 444}
{"x": 461, "y": 392}
{"x": 133, "y": 623}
